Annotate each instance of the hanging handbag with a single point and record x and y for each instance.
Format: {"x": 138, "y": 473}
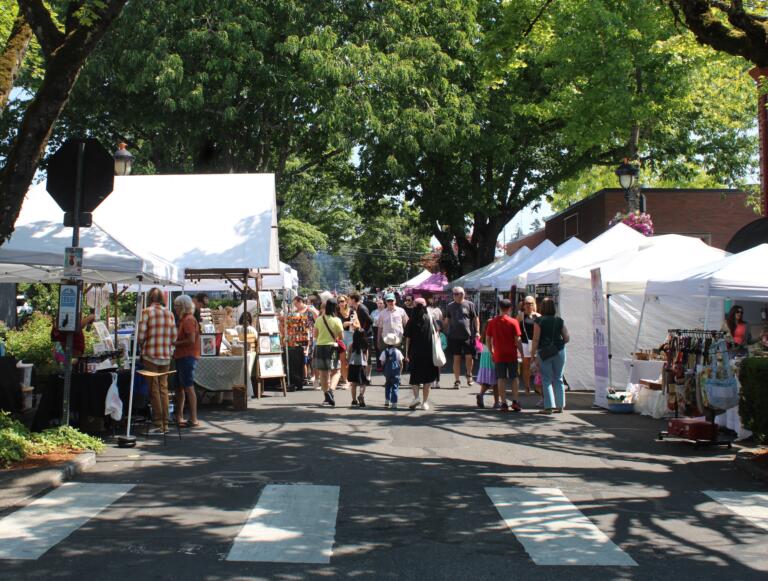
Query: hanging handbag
{"x": 339, "y": 342}
{"x": 549, "y": 351}
{"x": 438, "y": 356}
{"x": 719, "y": 387}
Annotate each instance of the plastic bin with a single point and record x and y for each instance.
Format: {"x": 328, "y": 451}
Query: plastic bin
{"x": 621, "y": 408}
{"x": 25, "y": 373}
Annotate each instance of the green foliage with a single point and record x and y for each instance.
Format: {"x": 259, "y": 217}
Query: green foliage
{"x": 297, "y": 236}
{"x": 753, "y": 401}
{"x": 43, "y": 298}
{"x": 32, "y": 343}
{"x": 17, "y": 442}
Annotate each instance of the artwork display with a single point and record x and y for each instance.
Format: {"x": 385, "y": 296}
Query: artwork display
{"x": 207, "y": 345}
{"x": 266, "y": 303}
{"x": 268, "y": 325}
{"x": 271, "y": 366}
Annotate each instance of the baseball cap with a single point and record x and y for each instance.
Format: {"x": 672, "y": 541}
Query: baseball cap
{"x": 389, "y": 297}
{"x": 420, "y": 301}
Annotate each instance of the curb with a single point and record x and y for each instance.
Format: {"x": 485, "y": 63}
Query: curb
{"x": 744, "y": 462}
{"x": 30, "y": 485}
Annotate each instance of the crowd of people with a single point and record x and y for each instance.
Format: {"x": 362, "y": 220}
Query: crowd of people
{"x": 351, "y": 333}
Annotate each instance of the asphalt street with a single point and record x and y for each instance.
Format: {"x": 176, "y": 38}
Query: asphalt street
{"x": 404, "y": 495}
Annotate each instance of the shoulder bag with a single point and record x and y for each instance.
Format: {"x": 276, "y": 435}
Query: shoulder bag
{"x": 549, "y": 351}
{"x": 339, "y": 342}
{"x": 438, "y": 356}
{"x": 719, "y": 388}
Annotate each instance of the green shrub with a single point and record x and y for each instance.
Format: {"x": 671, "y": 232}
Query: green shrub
{"x": 17, "y": 442}
{"x": 753, "y": 404}
{"x": 32, "y": 343}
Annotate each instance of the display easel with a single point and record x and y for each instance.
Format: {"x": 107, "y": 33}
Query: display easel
{"x": 261, "y": 315}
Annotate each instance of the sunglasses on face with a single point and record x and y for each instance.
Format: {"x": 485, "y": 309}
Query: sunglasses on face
{"x": 739, "y": 312}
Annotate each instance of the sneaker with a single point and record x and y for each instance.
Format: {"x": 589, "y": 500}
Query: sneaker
{"x": 354, "y": 404}
{"x": 394, "y": 406}
{"x": 504, "y": 407}
{"x": 456, "y": 384}
{"x": 496, "y": 406}
{"x": 414, "y": 404}
{"x": 331, "y": 398}
{"x": 479, "y": 399}
{"x": 516, "y": 407}
{"x": 386, "y": 403}
{"x": 361, "y": 401}
{"x": 557, "y": 411}
{"x": 424, "y": 406}
{"x": 470, "y": 383}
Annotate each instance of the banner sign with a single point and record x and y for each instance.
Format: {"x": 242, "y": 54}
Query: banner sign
{"x": 599, "y": 339}
{"x": 73, "y": 262}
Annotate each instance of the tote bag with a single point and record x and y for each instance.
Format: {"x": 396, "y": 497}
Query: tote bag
{"x": 719, "y": 387}
{"x": 438, "y": 355}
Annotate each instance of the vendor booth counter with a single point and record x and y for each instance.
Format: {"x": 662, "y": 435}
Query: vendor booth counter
{"x": 217, "y": 375}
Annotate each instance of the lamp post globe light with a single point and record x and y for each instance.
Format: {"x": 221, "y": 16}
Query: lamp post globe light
{"x": 123, "y": 160}
{"x": 628, "y": 179}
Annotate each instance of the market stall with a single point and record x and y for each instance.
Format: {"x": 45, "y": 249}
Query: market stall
{"x": 434, "y": 284}
{"x": 479, "y": 278}
{"x": 412, "y": 282}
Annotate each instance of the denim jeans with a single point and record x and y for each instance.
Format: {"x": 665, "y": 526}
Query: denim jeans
{"x": 552, "y": 380}
{"x": 391, "y": 388}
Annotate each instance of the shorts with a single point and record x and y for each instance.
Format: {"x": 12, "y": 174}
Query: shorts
{"x": 461, "y": 346}
{"x": 185, "y": 371}
{"x": 356, "y": 374}
{"x": 326, "y": 358}
{"x": 506, "y": 370}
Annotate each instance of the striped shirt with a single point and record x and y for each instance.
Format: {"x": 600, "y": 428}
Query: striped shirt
{"x": 157, "y": 332}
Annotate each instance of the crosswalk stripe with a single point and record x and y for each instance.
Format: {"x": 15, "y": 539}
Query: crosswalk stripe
{"x": 293, "y": 523}
{"x": 751, "y": 505}
{"x": 552, "y": 530}
{"x": 31, "y": 531}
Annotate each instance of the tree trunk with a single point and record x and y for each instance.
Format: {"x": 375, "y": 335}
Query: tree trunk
{"x": 12, "y": 57}
{"x": 62, "y": 70}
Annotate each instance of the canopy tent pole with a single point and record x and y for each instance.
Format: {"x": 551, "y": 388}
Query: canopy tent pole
{"x": 130, "y": 440}
{"x": 706, "y": 311}
{"x": 640, "y": 324}
{"x": 610, "y": 355}
{"x": 245, "y": 329}
{"x": 286, "y": 311}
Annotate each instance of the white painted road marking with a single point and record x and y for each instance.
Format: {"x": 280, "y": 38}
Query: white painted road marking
{"x": 753, "y": 506}
{"x": 293, "y": 523}
{"x": 31, "y": 531}
{"x": 552, "y": 530}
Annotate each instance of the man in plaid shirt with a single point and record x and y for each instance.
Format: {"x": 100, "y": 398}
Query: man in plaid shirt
{"x": 157, "y": 332}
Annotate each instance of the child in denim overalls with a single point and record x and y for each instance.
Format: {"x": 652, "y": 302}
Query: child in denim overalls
{"x": 392, "y": 360}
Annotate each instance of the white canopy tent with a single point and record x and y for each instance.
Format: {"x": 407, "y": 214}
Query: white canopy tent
{"x": 570, "y": 245}
{"x": 505, "y": 277}
{"x": 624, "y": 281}
{"x": 416, "y": 280}
{"x": 611, "y": 242}
{"x": 479, "y": 278}
{"x": 229, "y": 220}
{"x": 35, "y": 251}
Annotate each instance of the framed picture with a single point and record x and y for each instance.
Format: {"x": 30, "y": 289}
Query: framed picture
{"x": 274, "y": 344}
{"x": 271, "y": 366}
{"x": 266, "y": 303}
{"x": 207, "y": 344}
{"x": 268, "y": 325}
{"x": 265, "y": 344}
{"x": 101, "y": 330}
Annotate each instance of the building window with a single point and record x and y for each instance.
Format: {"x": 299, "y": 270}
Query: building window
{"x": 571, "y": 226}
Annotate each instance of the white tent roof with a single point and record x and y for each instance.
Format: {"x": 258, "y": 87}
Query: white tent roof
{"x": 610, "y": 243}
{"x": 416, "y": 280}
{"x": 741, "y": 276}
{"x": 207, "y": 221}
{"x": 35, "y": 251}
{"x": 288, "y": 279}
{"x": 520, "y": 275}
{"x": 481, "y": 277}
{"x": 629, "y": 271}
{"x": 506, "y": 277}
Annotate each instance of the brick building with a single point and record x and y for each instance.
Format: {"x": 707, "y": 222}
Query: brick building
{"x": 712, "y": 215}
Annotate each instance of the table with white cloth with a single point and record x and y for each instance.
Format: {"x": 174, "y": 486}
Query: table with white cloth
{"x": 731, "y": 420}
{"x": 222, "y": 372}
{"x": 648, "y": 402}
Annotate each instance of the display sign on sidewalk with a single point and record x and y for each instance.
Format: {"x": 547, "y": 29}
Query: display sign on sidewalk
{"x": 69, "y": 299}
{"x": 73, "y": 262}
{"x": 600, "y": 339}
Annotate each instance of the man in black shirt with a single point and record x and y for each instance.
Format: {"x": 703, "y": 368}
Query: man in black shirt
{"x": 366, "y": 324}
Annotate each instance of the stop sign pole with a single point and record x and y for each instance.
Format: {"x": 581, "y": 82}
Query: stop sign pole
{"x": 78, "y": 193}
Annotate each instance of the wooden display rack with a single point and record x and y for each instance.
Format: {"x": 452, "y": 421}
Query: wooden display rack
{"x": 258, "y": 380}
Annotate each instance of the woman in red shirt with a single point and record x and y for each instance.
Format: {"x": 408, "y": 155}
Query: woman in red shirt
{"x": 186, "y": 355}
{"x": 738, "y": 329}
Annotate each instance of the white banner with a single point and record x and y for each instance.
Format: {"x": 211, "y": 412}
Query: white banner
{"x": 599, "y": 339}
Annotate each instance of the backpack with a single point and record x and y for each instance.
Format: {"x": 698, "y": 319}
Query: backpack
{"x": 391, "y": 364}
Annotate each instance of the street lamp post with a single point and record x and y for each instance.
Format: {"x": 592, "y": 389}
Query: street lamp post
{"x": 123, "y": 160}
{"x": 628, "y": 179}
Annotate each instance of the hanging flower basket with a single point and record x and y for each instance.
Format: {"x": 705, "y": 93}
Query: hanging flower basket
{"x": 639, "y": 221}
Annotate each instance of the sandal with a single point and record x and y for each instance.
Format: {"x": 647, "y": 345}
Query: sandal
{"x": 546, "y": 412}
{"x": 190, "y": 424}
{"x": 469, "y": 381}
{"x": 456, "y": 384}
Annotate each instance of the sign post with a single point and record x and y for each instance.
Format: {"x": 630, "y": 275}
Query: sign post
{"x": 77, "y": 192}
